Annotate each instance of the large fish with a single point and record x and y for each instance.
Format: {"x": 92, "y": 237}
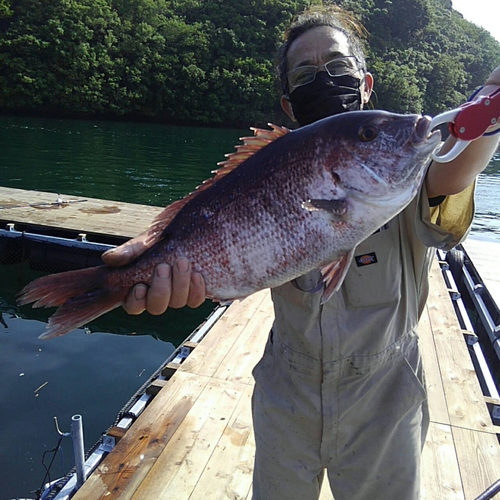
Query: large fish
{"x": 284, "y": 204}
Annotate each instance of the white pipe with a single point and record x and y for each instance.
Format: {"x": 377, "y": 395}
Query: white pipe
{"x": 78, "y": 449}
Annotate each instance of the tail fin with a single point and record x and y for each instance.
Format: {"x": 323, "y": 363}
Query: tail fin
{"x": 56, "y": 289}
{"x": 82, "y": 294}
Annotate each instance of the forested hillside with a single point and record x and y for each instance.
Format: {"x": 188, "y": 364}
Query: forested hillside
{"x": 212, "y": 61}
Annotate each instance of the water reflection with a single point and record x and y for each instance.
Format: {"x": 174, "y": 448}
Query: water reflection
{"x": 139, "y": 163}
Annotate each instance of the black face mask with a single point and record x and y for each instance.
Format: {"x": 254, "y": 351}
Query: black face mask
{"x": 325, "y": 96}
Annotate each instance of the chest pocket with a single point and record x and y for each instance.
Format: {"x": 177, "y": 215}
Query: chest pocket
{"x": 376, "y": 283}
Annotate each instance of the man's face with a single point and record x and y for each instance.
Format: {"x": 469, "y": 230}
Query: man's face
{"x": 318, "y": 46}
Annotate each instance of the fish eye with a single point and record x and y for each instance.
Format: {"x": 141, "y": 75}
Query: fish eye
{"x": 367, "y": 133}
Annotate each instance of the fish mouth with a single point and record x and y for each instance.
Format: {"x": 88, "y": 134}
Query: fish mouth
{"x": 423, "y": 138}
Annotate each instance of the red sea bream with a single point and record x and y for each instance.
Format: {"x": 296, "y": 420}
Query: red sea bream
{"x": 285, "y": 203}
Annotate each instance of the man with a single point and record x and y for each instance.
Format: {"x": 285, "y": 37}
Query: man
{"x": 340, "y": 386}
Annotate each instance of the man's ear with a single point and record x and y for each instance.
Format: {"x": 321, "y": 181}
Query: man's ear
{"x": 286, "y": 105}
{"x": 367, "y": 87}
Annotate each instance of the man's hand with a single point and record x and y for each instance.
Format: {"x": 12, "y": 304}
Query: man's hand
{"x": 454, "y": 176}
{"x": 492, "y": 83}
{"x": 171, "y": 287}
{"x": 494, "y": 78}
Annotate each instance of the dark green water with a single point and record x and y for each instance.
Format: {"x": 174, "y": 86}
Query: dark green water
{"x": 93, "y": 375}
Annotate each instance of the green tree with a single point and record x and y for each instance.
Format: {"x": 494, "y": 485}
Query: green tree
{"x": 212, "y": 61}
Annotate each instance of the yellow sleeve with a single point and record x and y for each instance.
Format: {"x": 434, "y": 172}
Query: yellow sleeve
{"x": 448, "y": 224}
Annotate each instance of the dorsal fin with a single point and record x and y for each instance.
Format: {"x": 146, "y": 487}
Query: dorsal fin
{"x": 250, "y": 146}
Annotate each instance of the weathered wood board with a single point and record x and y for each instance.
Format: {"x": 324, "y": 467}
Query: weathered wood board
{"x": 435, "y": 391}
{"x": 185, "y": 458}
{"x": 123, "y": 470}
{"x": 464, "y": 398}
{"x": 185, "y": 441}
{"x": 208, "y": 356}
{"x": 440, "y": 470}
{"x": 84, "y": 215}
{"x": 478, "y": 458}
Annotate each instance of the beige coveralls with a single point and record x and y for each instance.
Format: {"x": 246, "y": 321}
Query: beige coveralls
{"x": 341, "y": 386}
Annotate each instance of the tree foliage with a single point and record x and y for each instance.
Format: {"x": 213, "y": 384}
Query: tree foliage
{"x": 424, "y": 55}
{"x": 212, "y": 61}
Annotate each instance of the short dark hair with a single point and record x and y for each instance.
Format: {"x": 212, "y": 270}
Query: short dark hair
{"x": 333, "y": 16}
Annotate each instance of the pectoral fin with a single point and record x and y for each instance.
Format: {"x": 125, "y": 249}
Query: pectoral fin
{"x": 336, "y": 207}
{"x": 334, "y": 274}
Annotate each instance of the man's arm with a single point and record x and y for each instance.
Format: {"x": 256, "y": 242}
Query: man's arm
{"x": 454, "y": 176}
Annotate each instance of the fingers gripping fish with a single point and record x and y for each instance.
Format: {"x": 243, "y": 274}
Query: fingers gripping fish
{"x": 283, "y": 204}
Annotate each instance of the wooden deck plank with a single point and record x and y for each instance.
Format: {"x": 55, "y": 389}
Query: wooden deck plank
{"x": 123, "y": 470}
{"x": 184, "y": 458}
{"x": 91, "y": 216}
{"x": 464, "y": 398}
{"x": 244, "y": 355}
{"x": 228, "y": 475}
{"x": 437, "y": 402}
{"x": 207, "y": 357}
{"x": 325, "y": 493}
{"x": 440, "y": 475}
{"x": 478, "y": 457}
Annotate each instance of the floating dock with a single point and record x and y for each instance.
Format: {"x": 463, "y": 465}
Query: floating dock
{"x": 195, "y": 439}
{"x": 52, "y": 211}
